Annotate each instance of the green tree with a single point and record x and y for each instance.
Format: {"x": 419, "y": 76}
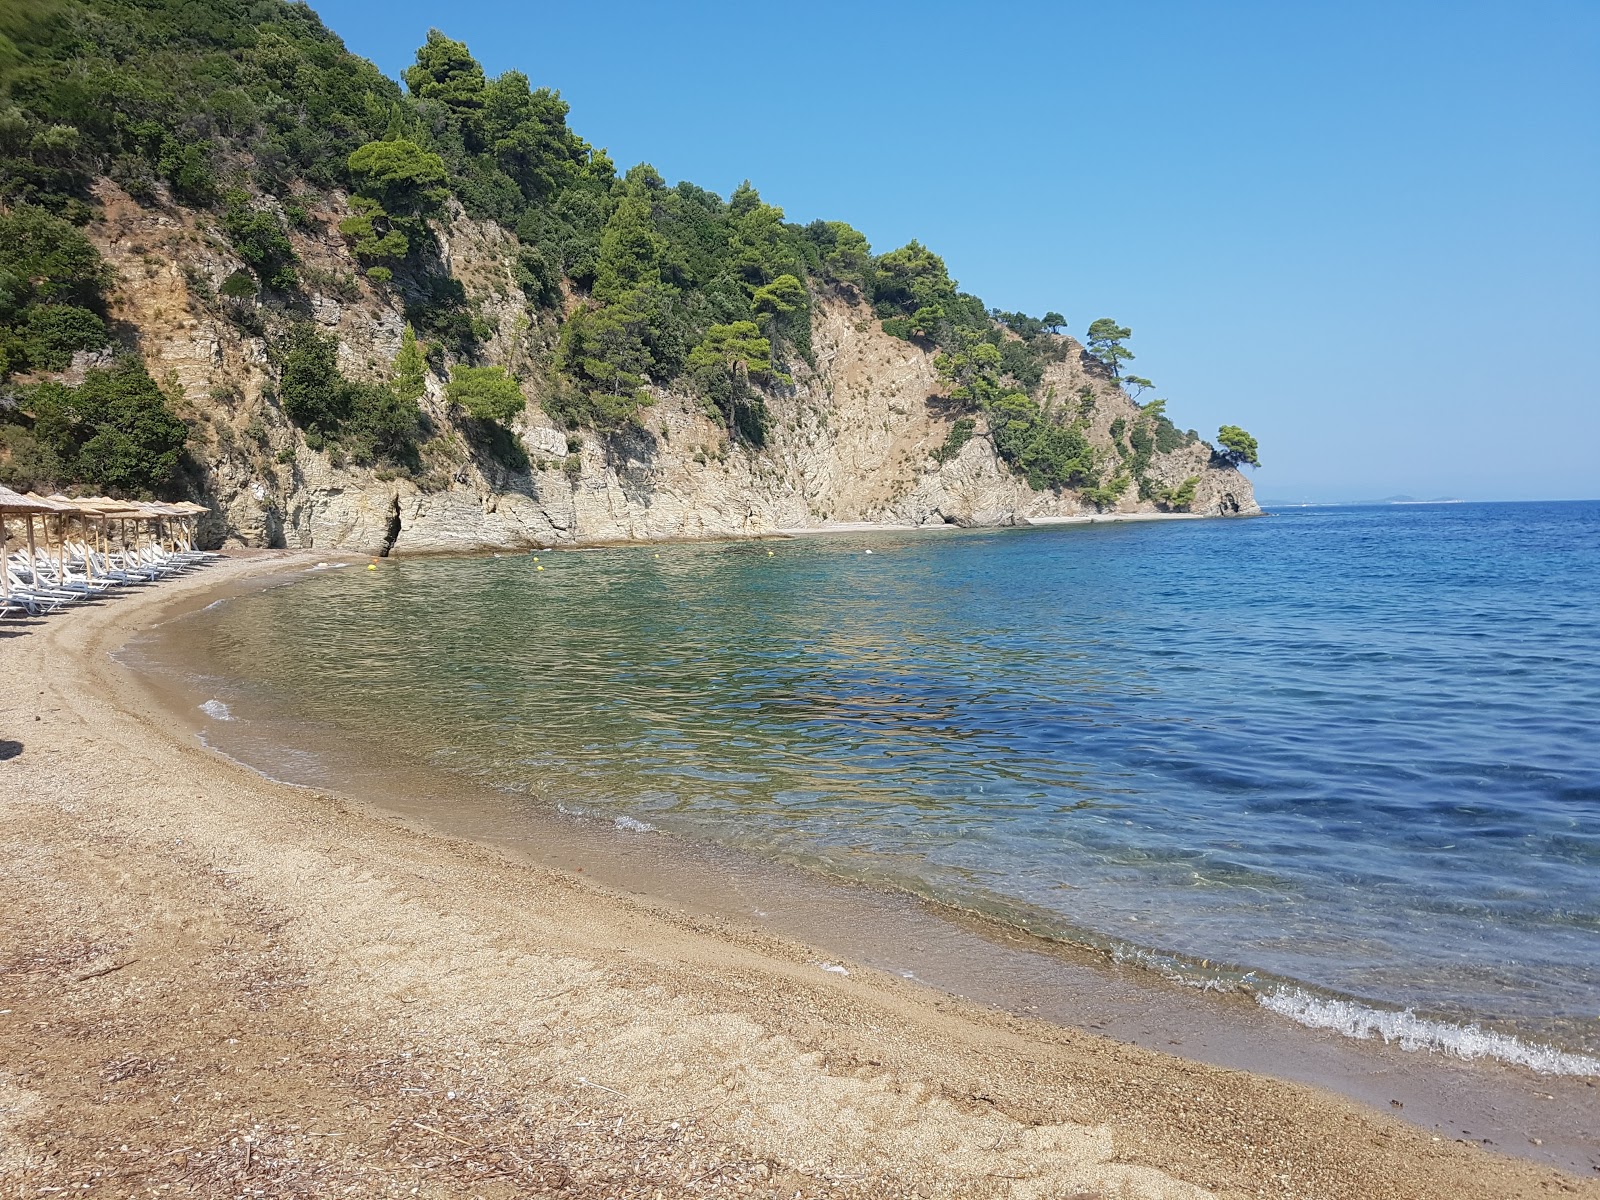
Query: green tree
{"x": 46, "y": 260}
{"x": 782, "y": 296}
{"x": 911, "y": 278}
{"x": 486, "y": 393}
{"x": 401, "y": 176}
{"x": 374, "y": 236}
{"x": 784, "y": 307}
{"x": 310, "y": 387}
{"x": 603, "y": 354}
{"x": 410, "y": 373}
{"x": 114, "y": 431}
{"x": 1179, "y": 498}
{"x": 527, "y": 132}
{"x": 379, "y": 424}
{"x": 725, "y": 362}
{"x": 631, "y": 251}
{"x": 445, "y": 71}
{"x": 760, "y": 246}
{"x": 1048, "y": 455}
{"x": 972, "y": 369}
{"x": 1238, "y": 447}
{"x": 1105, "y": 343}
{"x": 842, "y": 252}
{"x": 50, "y": 281}
{"x": 1053, "y": 321}
{"x": 51, "y": 333}
{"x": 1138, "y": 383}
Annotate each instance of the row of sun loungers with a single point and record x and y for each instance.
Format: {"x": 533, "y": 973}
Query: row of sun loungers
{"x": 86, "y": 549}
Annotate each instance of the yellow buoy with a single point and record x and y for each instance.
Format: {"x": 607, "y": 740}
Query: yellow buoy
{"x": 372, "y": 566}
{"x": 538, "y": 568}
{"x": 769, "y": 553}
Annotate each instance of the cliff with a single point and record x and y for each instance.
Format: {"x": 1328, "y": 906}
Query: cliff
{"x": 853, "y": 439}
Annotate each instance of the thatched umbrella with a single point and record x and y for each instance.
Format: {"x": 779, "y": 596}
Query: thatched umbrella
{"x": 16, "y": 504}
{"x": 188, "y": 511}
{"x": 119, "y": 510}
{"x": 61, "y": 511}
{"x": 85, "y": 511}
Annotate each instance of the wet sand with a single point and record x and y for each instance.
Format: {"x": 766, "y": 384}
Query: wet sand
{"x": 212, "y": 983}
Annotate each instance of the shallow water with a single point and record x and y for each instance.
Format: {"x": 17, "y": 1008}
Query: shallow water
{"x": 1346, "y": 758}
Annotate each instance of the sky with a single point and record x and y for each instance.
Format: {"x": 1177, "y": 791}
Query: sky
{"x": 1367, "y": 233}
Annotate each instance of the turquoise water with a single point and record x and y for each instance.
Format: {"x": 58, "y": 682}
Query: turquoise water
{"x": 1348, "y": 758}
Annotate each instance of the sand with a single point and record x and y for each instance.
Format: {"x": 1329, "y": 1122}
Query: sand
{"x": 215, "y": 985}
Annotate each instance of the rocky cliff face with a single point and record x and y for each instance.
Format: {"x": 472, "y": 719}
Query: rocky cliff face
{"x": 852, "y": 441}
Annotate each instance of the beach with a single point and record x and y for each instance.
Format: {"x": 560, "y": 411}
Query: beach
{"x": 215, "y": 984}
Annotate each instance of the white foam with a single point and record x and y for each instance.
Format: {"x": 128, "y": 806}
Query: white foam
{"x": 216, "y": 710}
{"x": 834, "y": 968}
{"x": 1411, "y": 1032}
{"x": 629, "y": 825}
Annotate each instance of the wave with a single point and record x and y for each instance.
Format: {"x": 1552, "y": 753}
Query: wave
{"x": 1407, "y": 1030}
{"x": 1402, "y": 1028}
{"x": 216, "y": 710}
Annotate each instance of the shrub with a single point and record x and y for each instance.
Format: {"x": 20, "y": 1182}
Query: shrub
{"x": 960, "y": 434}
{"x": 380, "y": 425}
{"x": 238, "y": 286}
{"x": 114, "y": 431}
{"x": 1178, "y": 499}
{"x": 1106, "y": 495}
{"x": 26, "y": 463}
{"x": 51, "y": 333}
{"x": 260, "y": 241}
{"x": 1049, "y": 455}
{"x": 310, "y": 387}
{"x": 487, "y": 393}
{"x": 50, "y": 280}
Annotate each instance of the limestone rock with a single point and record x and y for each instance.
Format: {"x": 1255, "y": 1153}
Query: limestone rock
{"x": 851, "y": 441}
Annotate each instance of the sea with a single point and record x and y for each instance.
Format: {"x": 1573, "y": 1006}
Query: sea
{"x": 1344, "y": 761}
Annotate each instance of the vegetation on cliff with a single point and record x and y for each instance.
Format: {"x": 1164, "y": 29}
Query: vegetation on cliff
{"x": 253, "y": 110}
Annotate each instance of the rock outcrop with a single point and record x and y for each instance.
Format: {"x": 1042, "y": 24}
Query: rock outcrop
{"x": 853, "y": 440}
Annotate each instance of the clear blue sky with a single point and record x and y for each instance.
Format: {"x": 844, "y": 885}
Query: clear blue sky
{"x": 1368, "y": 233}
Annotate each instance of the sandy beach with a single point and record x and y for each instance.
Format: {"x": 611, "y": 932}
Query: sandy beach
{"x": 211, "y": 985}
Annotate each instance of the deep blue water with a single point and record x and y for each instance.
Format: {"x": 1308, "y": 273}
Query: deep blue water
{"x": 1356, "y": 749}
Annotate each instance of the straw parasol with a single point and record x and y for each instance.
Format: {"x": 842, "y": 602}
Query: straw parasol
{"x": 191, "y": 511}
{"x": 16, "y": 504}
{"x": 61, "y": 511}
{"x": 85, "y": 510}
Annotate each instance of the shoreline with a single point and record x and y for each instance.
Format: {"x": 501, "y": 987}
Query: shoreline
{"x": 562, "y": 995}
{"x": 777, "y": 534}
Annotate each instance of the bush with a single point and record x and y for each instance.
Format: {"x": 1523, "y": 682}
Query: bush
{"x": 51, "y": 333}
{"x": 487, "y": 393}
{"x": 310, "y": 387}
{"x": 368, "y": 422}
{"x": 238, "y": 286}
{"x": 381, "y": 425}
{"x": 960, "y": 434}
{"x": 50, "y": 280}
{"x": 260, "y": 242}
{"x": 1178, "y": 499}
{"x": 114, "y": 431}
{"x": 1049, "y": 455}
{"x": 26, "y": 463}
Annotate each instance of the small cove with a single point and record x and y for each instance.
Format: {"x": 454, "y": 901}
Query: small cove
{"x": 899, "y": 719}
